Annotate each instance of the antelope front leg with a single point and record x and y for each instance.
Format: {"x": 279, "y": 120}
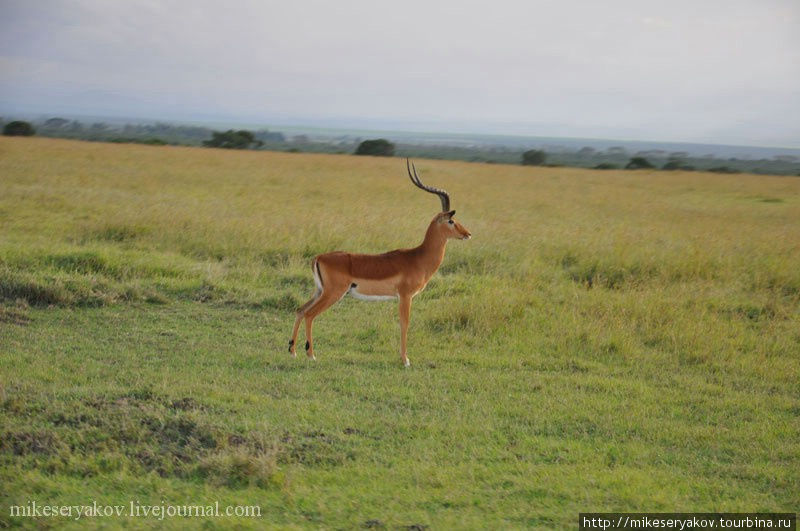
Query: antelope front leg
{"x": 405, "y": 314}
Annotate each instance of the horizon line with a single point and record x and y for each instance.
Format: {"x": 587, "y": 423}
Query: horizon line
{"x": 319, "y": 124}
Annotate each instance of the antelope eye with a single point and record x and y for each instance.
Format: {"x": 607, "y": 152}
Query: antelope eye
{"x": 450, "y": 222}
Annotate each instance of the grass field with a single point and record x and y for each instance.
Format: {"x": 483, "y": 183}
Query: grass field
{"x": 607, "y": 341}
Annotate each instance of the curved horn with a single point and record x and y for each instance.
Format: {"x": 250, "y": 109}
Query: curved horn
{"x": 441, "y": 193}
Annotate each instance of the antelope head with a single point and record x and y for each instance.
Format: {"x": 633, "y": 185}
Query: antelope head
{"x": 444, "y": 223}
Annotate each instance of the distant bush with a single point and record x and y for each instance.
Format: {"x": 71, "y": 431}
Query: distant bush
{"x": 146, "y": 141}
{"x": 606, "y": 166}
{"x": 723, "y": 169}
{"x": 534, "y": 157}
{"x": 638, "y": 163}
{"x": 677, "y": 165}
{"x": 379, "y": 147}
{"x": 231, "y": 139}
{"x": 18, "y": 128}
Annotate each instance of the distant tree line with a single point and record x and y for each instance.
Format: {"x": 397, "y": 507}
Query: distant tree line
{"x": 535, "y": 157}
{"x": 614, "y": 157}
{"x": 158, "y": 133}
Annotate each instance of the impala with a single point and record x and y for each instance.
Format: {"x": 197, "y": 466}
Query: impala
{"x": 398, "y": 274}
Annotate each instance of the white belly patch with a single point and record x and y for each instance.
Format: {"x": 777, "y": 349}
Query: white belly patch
{"x": 354, "y": 292}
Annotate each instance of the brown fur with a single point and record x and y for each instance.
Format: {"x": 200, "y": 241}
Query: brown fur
{"x": 402, "y": 273}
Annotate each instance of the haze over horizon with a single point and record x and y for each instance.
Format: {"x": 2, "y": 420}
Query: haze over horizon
{"x": 714, "y": 72}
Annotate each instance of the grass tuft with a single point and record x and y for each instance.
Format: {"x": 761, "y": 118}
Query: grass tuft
{"x": 238, "y": 469}
{"x": 118, "y": 233}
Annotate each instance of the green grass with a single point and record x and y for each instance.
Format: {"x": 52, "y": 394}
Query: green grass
{"x": 607, "y": 341}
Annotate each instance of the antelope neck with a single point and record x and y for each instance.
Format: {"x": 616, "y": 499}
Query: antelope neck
{"x": 433, "y": 247}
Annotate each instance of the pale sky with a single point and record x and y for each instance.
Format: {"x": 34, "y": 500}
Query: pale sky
{"x": 677, "y": 70}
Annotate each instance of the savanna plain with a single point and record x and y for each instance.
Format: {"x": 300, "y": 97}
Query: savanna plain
{"x": 606, "y": 341}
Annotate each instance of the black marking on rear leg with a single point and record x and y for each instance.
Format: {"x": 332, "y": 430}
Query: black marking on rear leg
{"x": 291, "y": 344}
{"x": 308, "y": 346}
{"x": 353, "y": 285}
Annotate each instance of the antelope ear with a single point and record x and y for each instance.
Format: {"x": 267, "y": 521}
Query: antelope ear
{"x": 450, "y": 214}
